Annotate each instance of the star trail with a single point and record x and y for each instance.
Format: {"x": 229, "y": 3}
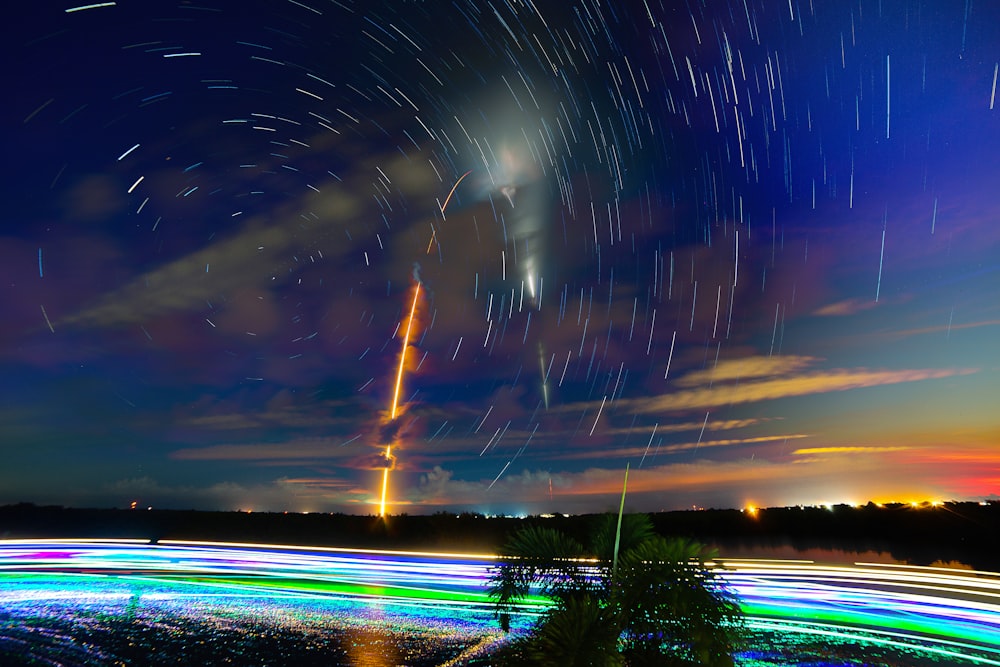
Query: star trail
{"x": 748, "y": 248}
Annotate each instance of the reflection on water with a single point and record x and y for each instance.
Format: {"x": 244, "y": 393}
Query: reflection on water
{"x": 790, "y": 552}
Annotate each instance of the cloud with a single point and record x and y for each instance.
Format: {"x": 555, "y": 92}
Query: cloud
{"x": 327, "y": 415}
{"x": 94, "y": 199}
{"x": 845, "y": 307}
{"x": 799, "y": 481}
{"x": 814, "y": 382}
{"x": 282, "y": 494}
{"x": 847, "y": 450}
{"x": 311, "y": 449}
{"x": 269, "y": 247}
{"x": 942, "y": 328}
{"x": 679, "y": 427}
{"x": 241, "y": 262}
{"x": 680, "y": 447}
{"x": 439, "y": 487}
{"x": 746, "y": 368}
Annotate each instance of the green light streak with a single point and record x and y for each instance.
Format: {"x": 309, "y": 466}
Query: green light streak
{"x": 932, "y": 628}
{"x": 881, "y": 638}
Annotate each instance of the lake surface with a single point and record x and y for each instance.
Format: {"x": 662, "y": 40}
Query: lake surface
{"x": 106, "y": 602}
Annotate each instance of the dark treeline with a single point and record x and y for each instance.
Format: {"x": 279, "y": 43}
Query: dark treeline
{"x": 967, "y": 533}
{"x": 964, "y": 532}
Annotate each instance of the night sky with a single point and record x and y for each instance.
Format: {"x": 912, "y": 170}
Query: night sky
{"x": 750, "y": 249}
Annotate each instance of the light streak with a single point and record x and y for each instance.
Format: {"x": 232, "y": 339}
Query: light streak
{"x": 453, "y": 188}
{"x": 881, "y": 256}
{"x": 942, "y": 612}
{"x": 648, "y": 444}
{"x": 46, "y": 316}
{"x": 598, "y": 417}
{"x": 433, "y": 238}
{"x": 123, "y": 155}
{"x": 736, "y": 268}
{"x": 385, "y": 482}
{"x": 544, "y": 374}
{"x": 394, "y": 408}
{"x": 86, "y": 7}
{"x": 993, "y": 93}
{"x": 946, "y": 612}
{"x": 670, "y": 357}
{"x": 402, "y": 354}
{"x": 443, "y": 207}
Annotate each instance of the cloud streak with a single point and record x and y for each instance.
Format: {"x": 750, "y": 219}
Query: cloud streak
{"x": 802, "y": 384}
{"x": 635, "y": 452}
{"x": 805, "y": 481}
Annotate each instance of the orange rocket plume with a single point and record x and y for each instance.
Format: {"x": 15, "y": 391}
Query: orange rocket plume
{"x": 394, "y": 406}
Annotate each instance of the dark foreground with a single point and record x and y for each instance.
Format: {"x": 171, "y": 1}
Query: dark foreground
{"x": 966, "y": 533}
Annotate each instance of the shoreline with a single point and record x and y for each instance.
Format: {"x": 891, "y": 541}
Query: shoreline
{"x": 962, "y": 533}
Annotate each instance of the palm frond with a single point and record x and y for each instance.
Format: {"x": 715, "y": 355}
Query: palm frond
{"x": 541, "y": 543}
{"x": 676, "y": 601}
{"x": 636, "y": 528}
{"x": 536, "y": 556}
{"x": 576, "y": 633}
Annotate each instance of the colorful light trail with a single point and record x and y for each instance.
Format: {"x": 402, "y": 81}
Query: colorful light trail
{"x": 948, "y": 616}
{"x": 952, "y": 614}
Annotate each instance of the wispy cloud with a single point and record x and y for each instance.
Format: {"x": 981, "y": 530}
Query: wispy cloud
{"x": 845, "y": 307}
{"x": 806, "y": 481}
{"x": 264, "y": 249}
{"x": 801, "y": 384}
{"x": 308, "y": 449}
{"x": 635, "y": 452}
{"x": 942, "y": 328}
{"x": 809, "y": 451}
{"x": 189, "y": 282}
{"x": 712, "y": 425}
{"x": 277, "y": 495}
{"x": 746, "y": 368}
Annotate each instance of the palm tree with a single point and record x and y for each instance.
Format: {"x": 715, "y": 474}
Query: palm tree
{"x": 661, "y": 605}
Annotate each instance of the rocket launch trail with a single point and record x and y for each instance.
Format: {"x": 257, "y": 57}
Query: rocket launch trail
{"x": 394, "y": 407}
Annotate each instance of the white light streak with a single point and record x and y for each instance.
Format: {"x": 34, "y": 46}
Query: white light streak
{"x": 670, "y": 357}
{"x": 598, "y": 417}
{"x": 86, "y": 7}
{"x": 993, "y": 94}
{"x": 122, "y": 156}
{"x": 881, "y": 256}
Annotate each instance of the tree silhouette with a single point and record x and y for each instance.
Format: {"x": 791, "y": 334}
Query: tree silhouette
{"x": 662, "y": 605}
